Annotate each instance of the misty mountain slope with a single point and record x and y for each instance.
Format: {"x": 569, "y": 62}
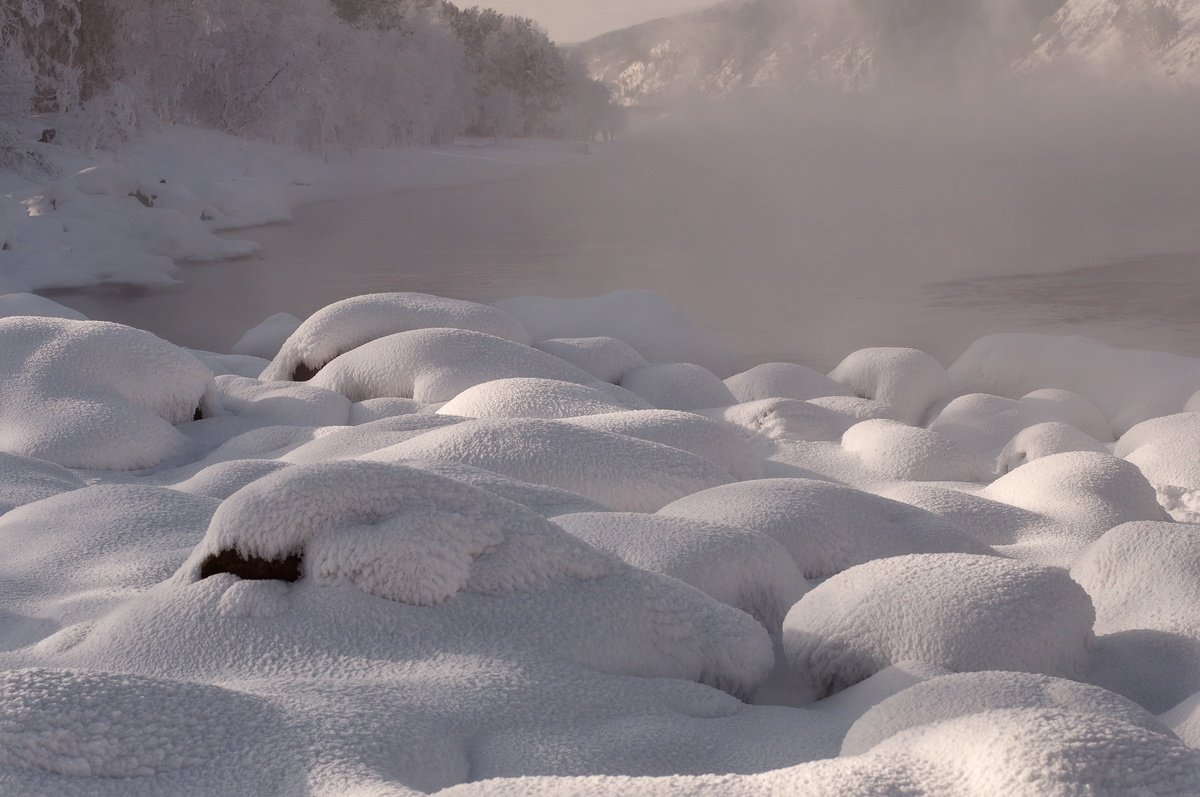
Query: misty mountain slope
{"x": 1125, "y": 39}
{"x": 856, "y": 44}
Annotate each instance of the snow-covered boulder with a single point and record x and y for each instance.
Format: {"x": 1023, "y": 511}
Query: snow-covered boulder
{"x": 686, "y": 431}
{"x": 14, "y": 304}
{"x": 826, "y": 527}
{"x": 225, "y": 478}
{"x": 678, "y": 386}
{"x": 620, "y": 472}
{"x": 1164, "y": 449}
{"x": 783, "y": 380}
{"x": 549, "y": 502}
{"x": 282, "y": 403}
{"x": 1044, "y": 440}
{"x": 784, "y": 418}
{"x": 1184, "y": 720}
{"x": 1073, "y": 409}
{"x": 90, "y": 394}
{"x": 984, "y": 422}
{"x": 24, "y": 480}
{"x": 377, "y": 409}
{"x": 898, "y": 451}
{"x": 349, "y": 442}
{"x": 348, "y": 324}
{"x": 964, "y": 694}
{"x": 659, "y": 331}
{"x": 435, "y": 365}
{"x": 523, "y": 397}
{"x": 607, "y": 359}
{"x": 957, "y": 611}
{"x": 739, "y": 567}
{"x": 909, "y": 380}
{"x": 266, "y": 339}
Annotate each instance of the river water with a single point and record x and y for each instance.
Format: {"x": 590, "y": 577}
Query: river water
{"x": 791, "y": 255}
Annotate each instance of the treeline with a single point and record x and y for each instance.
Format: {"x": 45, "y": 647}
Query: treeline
{"x": 322, "y": 74}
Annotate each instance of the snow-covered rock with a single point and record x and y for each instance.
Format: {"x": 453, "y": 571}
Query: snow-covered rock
{"x": 350, "y": 323}
{"x": 678, "y": 386}
{"x": 898, "y": 451}
{"x": 524, "y": 397}
{"x": 783, "y": 380}
{"x": 957, "y": 611}
{"x": 13, "y": 304}
{"x": 282, "y": 404}
{"x": 90, "y": 394}
{"x": 910, "y": 381}
{"x": 24, "y": 480}
{"x": 1044, "y": 440}
{"x": 826, "y": 527}
{"x": 266, "y": 339}
{"x": 607, "y": 359}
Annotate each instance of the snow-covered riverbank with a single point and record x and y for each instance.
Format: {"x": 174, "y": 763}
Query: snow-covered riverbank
{"x": 538, "y": 539}
{"x": 129, "y": 217}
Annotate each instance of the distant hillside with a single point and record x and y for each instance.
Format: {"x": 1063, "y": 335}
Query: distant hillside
{"x": 855, "y": 44}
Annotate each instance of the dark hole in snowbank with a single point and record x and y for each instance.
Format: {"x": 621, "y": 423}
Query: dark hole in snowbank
{"x": 198, "y": 415}
{"x": 251, "y": 568}
{"x": 303, "y": 373}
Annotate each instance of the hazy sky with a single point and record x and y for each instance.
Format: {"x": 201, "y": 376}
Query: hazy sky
{"x": 576, "y": 20}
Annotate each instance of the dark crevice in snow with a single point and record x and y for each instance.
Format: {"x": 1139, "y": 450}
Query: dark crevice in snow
{"x": 303, "y": 373}
{"x": 251, "y": 568}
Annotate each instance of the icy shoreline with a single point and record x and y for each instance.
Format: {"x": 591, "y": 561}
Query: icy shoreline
{"x": 130, "y": 217}
{"x": 537, "y": 548}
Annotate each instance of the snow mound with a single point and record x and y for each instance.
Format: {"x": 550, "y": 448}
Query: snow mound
{"x": 1144, "y": 576}
{"x": 17, "y": 304}
{"x": 784, "y": 418}
{"x": 24, "y": 480}
{"x": 620, "y": 472}
{"x": 957, "y": 611}
{"x": 350, "y": 323}
{"x": 1072, "y": 409}
{"x": 783, "y": 380}
{"x": 1086, "y": 493}
{"x": 1044, "y": 440}
{"x": 1184, "y": 720}
{"x": 1127, "y": 386}
{"x": 90, "y": 394}
{"x": 826, "y": 527}
{"x": 388, "y": 407}
{"x": 738, "y": 567}
{"x": 899, "y": 451}
{"x": 549, "y": 502}
{"x": 435, "y": 365}
{"x": 282, "y": 404}
{"x": 354, "y": 441}
{"x": 226, "y": 478}
{"x": 964, "y": 694}
{"x": 398, "y": 533}
{"x": 607, "y": 359}
{"x": 659, "y": 331}
{"x": 993, "y": 523}
{"x": 678, "y": 386}
{"x": 1164, "y": 450}
{"x": 530, "y": 398}
{"x": 266, "y": 339}
{"x": 985, "y": 423}
{"x": 686, "y": 431}
{"x": 909, "y": 380}
{"x": 102, "y": 725}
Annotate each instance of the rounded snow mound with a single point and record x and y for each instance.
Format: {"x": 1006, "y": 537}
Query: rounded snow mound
{"x": 548, "y": 502}
{"x": 620, "y": 472}
{"x": 1044, "y": 440}
{"x": 348, "y": 442}
{"x": 1164, "y": 450}
{"x": 282, "y": 404}
{"x": 1072, "y": 409}
{"x": 788, "y": 419}
{"x": 783, "y": 380}
{"x": 696, "y": 434}
{"x": 963, "y": 694}
{"x": 24, "y": 480}
{"x": 90, "y": 394}
{"x": 826, "y": 527}
{"x": 395, "y": 532}
{"x": 607, "y": 359}
{"x": 957, "y": 611}
{"x": 678, "y": 386}
{"x": 435, "y": 365}
{"x": 530, "y": 398}
{"x": 738, "y": 567}
{"x": 225, "y": 478}
{"x": 102, "y": 725}
{"x": 1144, "y": 575}
{"x": 18, "y": 304}
{"x": 909, "y": 380}
{"x": 898, "y": 451}
{"x": 991, "y": 522}
{"x": 266, "y": 339}
{"x": 1086, "y": 491}
{"x": 350, "y": 323}
{"x": 984, "y": 422}
{"x": 1184, "y": 720}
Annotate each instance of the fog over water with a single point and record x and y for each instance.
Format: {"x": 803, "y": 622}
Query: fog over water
{"x": 801, "y": 229}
